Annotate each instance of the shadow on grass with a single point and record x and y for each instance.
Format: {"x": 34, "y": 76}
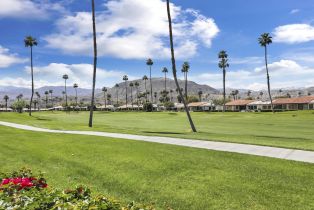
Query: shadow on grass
{"x": 151, "y": 132}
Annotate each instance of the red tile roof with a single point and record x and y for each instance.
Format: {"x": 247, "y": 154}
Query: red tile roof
{"x": 300, "y": 100}
{"x": 239, "y": 102}
{"x": 197, "y": 104}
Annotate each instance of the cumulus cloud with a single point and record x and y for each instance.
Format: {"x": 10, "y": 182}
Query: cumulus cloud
{"x": 294, "y": 33}
{"x": 28, "y": 8}
{"x": 78, "y": 73}
{"x": 134, "y": 29}
{"x": 7, "y": 59}
{"x": 283, "y": 74}
{"x": 294, "y": 11}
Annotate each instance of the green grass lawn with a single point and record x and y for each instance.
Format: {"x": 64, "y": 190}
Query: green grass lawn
{"x": 286, "y": 129}
{"x": 183, "y": 178}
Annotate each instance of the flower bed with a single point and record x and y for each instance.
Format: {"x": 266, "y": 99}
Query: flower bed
{"x": 23, "y": 190}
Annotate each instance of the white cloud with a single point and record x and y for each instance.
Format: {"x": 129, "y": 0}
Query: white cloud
{"x": 294, "y": 11}
{"x": 7, "y": 59}
{"x": 78, "y": 73}
{"x": 283, "y": 74}
{"x": 134, "y": 29}
{"x": 28, "y": 8}
{"x": 294, "y": 33}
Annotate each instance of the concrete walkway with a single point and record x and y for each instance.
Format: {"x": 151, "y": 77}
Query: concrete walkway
{"x": 281, "y": 153}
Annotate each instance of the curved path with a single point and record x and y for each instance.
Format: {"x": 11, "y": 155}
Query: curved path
{"x": 274, "y": 152}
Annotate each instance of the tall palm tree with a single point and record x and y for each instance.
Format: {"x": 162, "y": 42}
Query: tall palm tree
{"x": 35, "y": 102}
{"x": 249, "y": 93}
{"x": 6, "y": 98}
{"x": 165, "y": 71}
{"x": 46, "y": 93}
{"x": 171, "y": 98}
{"x": 19, "y": 97}
{"x": 109, "y": 98}
{"x": 75, "y": 86}
{"x": 264, "y": 40}
{"x": 261, "y": 94}
{"x": 117, "y": 93}
{"x": 125, "y": 79}
{"x": 90, "y": 124}
{"x": 65, "y": 77}
{"x": 236, "y": 93}
{"x": 29, "y": 41}
{"x": 174, "y": 69}
{"x": 136, "y": 84}
{"x": 149, "y": 63}
{"x": 185, "y": 70}
{"x": 223, "y": 64}
{"x": 155, "y": 96}
{"x": 131, "y": 86}
{"x": 104, "y": 89}
{"x": 51, "y": 91}
{"x": 145, "y": 78}
{"x": 38, "y": 99}
{"x": 200, "y": 93}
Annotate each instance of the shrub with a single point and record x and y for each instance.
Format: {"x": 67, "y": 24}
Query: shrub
{"x": 148, "y": 107}
{"x": 19, "y": 105}
{"x": 23, "y": 190}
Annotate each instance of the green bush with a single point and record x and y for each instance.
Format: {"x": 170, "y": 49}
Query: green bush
{"x": 16, "y": 193}
{"x": 148, "y": 107}
{"x": 19, "y": 105}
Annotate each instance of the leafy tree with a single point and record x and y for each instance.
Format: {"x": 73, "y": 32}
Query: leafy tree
{"x": 19, "y": 105}
{"x": 174, "y": 69}
{"x": 264, "y": 40}
{"x": 29, "y": 41}
{"x": 223, "y": 64}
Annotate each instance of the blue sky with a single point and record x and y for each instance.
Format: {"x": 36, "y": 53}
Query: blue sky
{"x": 129, "y": 31}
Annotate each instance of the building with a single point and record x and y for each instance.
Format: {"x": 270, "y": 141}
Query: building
{"x": 238, "y": 105}
{"x": 291, "y": 104}
{"x": 201, "y": 106}
{"x": 259, "y": 106}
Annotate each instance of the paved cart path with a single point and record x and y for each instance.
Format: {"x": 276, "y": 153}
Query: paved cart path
{"x": 274, "y": 152}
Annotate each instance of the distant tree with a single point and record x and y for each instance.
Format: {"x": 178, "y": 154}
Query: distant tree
{"x": 65, "y": 77}
{"x": 117, "y": 93}
{"x": 174, "y": 68}
{"x": 19, "y": 97}
{"x": 109, "y": 98}
{"x": 155, "y": 96}
{"x": 223, "y": 64}
{"x": 145, "y": 78}
{"x": 19, "y": 105}
{"x": 185, "y": 70}
{"x": 104, "y": 89}
{"x": 29, "y": 41}
{"x": 131, "y": 86}
{"x": 75, "y": 86}
{"x": 35, "y": 102}
{"x": 299, "y": 94}
{"x": 137, "y": 96}
{"x": 249, "y": 93}
{"x": 63, "y": 94}
{"x": 165, "y": 71}
{"x": 46, "y": 93}
{"x": 288, "y": 95}
{"x": 6, "y": 99}
{"x": 171, "y": 92}
{"x": 264, "y": 40}
{"x": 150, "y": 63}
{"x": 236, "y": 92}
{"x": 51, "y": 91}
{"x": 261, "y": 94}
{"x": 200, "y": 93}
{"x": 38, "y": 99}
{"x": 125, "y": 79}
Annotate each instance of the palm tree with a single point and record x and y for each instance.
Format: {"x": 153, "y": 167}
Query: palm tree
{"x": 155, "y": 96}
{"x": 117, "y": 92}
{"x": 63, "y": 94}
{"x": 264, "y": 40}
{"x": 51, "y": 91}
{"x": 185, "y": 70}
{"x": 131, "y": 86}
{"x": 95, "y": 67}
{"x": 29, "y": 41}
{"x": 174, "y": 69}
{"x": 65, "y": 77}
{"x": 165, "y": 71}
{"x": 261, "y": 94}
{"x": 19, "y": 97}
{"x": 104, "y": 89}
{"x": 38, "y": 99}
{"x": 299, "y": 93}
{"x": 137, "y": 85}
{"x": 35, "y": 102}
{"x": 171, "y": 91}
{"x": 236, "y": 93}
{"x": 46, "y": 93}
{"x": 223, "y": 64}
{"x": 6, "y": 98}
{"x": 125, "y": 79}
{"x": 149, "y": 63}
{"x": 200, "y": 93}
{"x": 75, "y": 86}
{"x": 249, "y": 93}
{"x": 145, "y": 78}
{"x": 109, "y": 98}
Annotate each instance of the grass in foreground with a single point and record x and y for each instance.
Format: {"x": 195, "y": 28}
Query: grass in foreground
{"x": 286, "y": 129}
{"x": 182, "y": 178}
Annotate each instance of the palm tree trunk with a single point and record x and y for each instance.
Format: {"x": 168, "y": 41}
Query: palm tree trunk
{"x": 6, "y": 105}
{"x": 165, "y": 82}
{"x": 117, "y": 96}
{"x": 224, "y": 90}
{"x": 126, "y": 96}
{"x": 174, "y": 69}
{"x": 32, "y": 72}
{"x": 75, "y": 97}
{"x": 105, "y": 100}
{"x": 66, "y": 95}
{"x": 145, "y": 91}
{"x": 268, "y": 82}
{"x": 95, "y": 67}
{"x": 151, "y": 85}
{"x": 186, "y": 86}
